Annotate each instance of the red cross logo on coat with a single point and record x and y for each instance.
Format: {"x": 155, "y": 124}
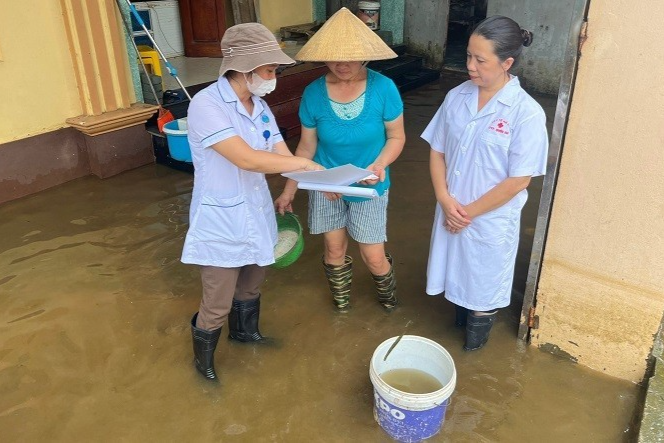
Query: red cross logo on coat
{"x": 500, "y": 126}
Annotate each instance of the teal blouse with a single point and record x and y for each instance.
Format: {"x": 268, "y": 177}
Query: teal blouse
{"x": 360, "y": 140}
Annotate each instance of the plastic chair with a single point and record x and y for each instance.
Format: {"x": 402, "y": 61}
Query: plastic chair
{"x": 150, "y": 58}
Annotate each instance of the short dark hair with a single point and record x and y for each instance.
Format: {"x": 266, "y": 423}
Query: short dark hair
{"x": 506, "y": 35}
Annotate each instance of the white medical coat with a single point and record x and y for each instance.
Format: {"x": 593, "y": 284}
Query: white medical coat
{"x": 506, "y": 138}
{"x": 231, "y": 219}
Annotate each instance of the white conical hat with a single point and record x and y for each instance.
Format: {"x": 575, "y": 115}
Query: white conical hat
{"x": 344, "y": 38}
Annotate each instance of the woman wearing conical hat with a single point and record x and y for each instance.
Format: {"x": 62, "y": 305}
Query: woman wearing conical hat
{"x": 350, "y": 115}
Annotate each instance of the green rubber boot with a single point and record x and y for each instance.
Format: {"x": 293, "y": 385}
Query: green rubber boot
{"x": 339, "y": 279}
{"x": 386, "y": 287}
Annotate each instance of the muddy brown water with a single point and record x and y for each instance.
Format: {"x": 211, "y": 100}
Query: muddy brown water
{"x": 95, "y": 342}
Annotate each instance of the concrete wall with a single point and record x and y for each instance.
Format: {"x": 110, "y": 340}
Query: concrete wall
{"x": 601, "y": 293}
{"x": 542, "y": 62}
{"x": 392, "y": 19}
{"x": 278, "y": 13}
{"x": 319, "y": 10}
{"x": 425, "y": 30}
{"x": 37, "y": 78}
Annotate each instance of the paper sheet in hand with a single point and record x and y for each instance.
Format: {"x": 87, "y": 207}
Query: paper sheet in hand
{"x": 339, "y": 176}
{"x": 335, "y": 180}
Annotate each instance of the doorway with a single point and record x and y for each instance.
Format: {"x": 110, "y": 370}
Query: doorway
{"x": 463, "y": 17}
{"x": 550, "y": 71}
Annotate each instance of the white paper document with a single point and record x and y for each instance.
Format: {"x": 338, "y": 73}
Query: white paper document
{"x": 335, "y": 180}
{"x": 352, "y": 191}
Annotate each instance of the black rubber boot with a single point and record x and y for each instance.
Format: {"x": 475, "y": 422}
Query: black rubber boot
{"x": 478, "y": 329}
{"x": 243, "y": 321}
{"x": 386, "y": 287}
{"x": 461, "y": 316}
{"x": 339, "y": 278}
{"x": 205, "y": 342}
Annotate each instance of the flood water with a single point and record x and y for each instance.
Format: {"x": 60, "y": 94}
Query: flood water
{"x": 95, "y": 342}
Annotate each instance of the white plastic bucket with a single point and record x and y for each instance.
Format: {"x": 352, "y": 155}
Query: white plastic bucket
{"x": 369, "y": 13}
{"x": 408, "y": 417}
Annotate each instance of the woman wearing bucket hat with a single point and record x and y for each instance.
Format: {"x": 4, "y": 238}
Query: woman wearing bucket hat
{"x": 350, "y": 115}
{"x": 487, "y": 140}
{"x": 234, "y": 141}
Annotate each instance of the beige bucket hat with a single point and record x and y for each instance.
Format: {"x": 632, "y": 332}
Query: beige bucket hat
{"x": 247, "y": 46}
{"x": 344, "y": 38}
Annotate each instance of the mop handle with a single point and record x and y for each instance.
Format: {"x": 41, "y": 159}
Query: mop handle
{"x": 171, "y": 68}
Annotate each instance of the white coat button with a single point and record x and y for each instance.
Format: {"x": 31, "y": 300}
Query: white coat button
{"x": 457, "y": 172}
{"x": 471, "y": 124}
{"x": 253, "y": 129}
{"x": 453, "y": 195}
{"x": 256, "y": 188}
{"x": 463, "y": 149}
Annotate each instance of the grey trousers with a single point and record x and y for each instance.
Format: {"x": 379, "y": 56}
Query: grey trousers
{"x": 221, "y": 286}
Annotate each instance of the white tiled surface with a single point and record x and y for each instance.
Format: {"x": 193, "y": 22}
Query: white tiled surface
{"x": 193, "y": 71}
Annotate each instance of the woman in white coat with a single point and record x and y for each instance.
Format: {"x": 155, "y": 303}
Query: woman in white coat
{"x": 234, "y": 141}
{"x": 487, "y": 140}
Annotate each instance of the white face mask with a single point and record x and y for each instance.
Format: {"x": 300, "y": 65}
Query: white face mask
{"x": 259, "y": 86}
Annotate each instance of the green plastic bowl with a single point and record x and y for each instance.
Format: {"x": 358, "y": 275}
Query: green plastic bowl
{"x": 288, "y": 223}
